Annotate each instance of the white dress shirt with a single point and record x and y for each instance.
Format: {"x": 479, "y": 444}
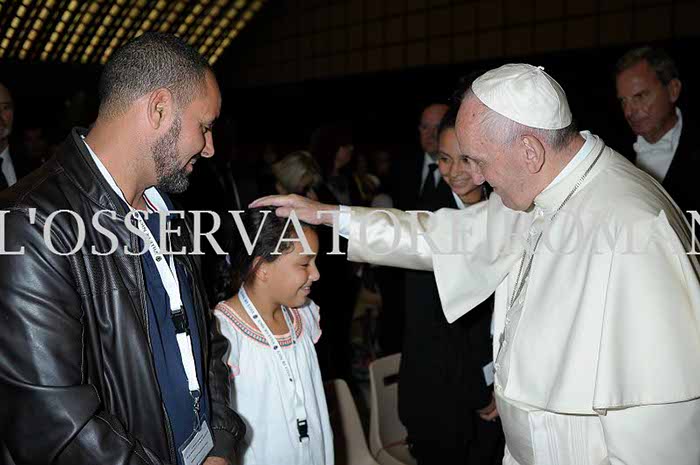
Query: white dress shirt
{"x": 656, "y": 158}
{"x": 8, "y": 169}
{"x": 458, "y": 201}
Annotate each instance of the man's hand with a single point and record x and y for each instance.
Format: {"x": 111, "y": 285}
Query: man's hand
{"x": 305, "y": 208}
{"x": 490, "y": 412}
{"x": 216, "y": 461}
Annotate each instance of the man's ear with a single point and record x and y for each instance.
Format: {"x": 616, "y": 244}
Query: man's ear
{"x": 534, "y": 153}
{"x": 674, "y": 89}
{"x": 160, "y": 107}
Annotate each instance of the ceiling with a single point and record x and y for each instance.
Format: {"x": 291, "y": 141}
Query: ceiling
{"x": 88, "y": 32}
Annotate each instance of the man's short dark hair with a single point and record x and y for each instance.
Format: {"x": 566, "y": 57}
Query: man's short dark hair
{"x": 148, "y": 62}
{"x": 660, "y": 61}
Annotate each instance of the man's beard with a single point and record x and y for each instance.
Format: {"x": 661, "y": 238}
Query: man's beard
{"x": 171, "y": 178}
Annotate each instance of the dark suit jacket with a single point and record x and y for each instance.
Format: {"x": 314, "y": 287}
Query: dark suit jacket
{"x": 681, "y": 180}
{"x": 407, "y": 182}
{"x": 21, "y": 163}
{"x": 441, "y": 380}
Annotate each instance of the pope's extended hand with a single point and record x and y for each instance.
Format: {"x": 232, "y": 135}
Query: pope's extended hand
{"x": 305, "y": 208}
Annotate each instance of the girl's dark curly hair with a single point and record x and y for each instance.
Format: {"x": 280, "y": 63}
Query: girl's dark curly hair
{"x": 271, "y": 228}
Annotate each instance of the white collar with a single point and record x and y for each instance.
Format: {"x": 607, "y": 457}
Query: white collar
{"x": 551, "y": 197}
{"x": 669, "y": 141}
{"x": 154, "y": 201}
{"x": 458, "y": 201}
{"x": 581, "y": 155}
{"x": 5, "y": 154}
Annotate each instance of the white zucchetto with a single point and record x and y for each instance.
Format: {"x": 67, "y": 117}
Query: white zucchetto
{"x": 525, "y": 94}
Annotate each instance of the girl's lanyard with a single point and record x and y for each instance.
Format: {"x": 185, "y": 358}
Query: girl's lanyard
{"x": 168, "y": 276}
{"x": 299, "y": 409}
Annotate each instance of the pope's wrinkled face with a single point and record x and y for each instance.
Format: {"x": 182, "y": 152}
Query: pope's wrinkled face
{"x": 490, "y": 160}
{"x": 648, "y": 104}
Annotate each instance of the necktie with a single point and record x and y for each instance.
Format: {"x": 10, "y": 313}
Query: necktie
{"x": 3, "y": 179}
{"x": 429, "y": 186}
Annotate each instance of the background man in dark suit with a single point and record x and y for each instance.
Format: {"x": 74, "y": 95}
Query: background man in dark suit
{"x": 648, "y": 87}
{"x": 410, "y": 191}
{"x": 413, "y": 171}
{"x": 437, "y": 365}
{"x": 14, "y": 161}
{"x": 8, "y": 175}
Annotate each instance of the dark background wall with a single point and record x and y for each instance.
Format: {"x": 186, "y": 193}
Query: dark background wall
{"x": 385, "y": 106}
{"x": 295, "y": 40}
{"x": 376, "y": 63}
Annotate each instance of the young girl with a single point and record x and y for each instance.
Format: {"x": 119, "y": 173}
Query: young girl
{"x": 272, "y": 327}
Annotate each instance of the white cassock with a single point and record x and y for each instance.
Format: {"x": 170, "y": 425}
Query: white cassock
{"x": 598, "y": 356}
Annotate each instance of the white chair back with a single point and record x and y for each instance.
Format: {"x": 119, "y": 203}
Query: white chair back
{"x": 349, "y": 441}
{"x": 386, "y": 433}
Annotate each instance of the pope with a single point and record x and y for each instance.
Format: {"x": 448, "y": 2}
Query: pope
{"x": 597, "y": 305}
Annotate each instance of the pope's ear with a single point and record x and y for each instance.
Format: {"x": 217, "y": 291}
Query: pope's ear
{"x": 534, "y": 153}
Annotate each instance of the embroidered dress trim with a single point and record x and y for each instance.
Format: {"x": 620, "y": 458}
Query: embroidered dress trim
{"x": 284, "y": 340}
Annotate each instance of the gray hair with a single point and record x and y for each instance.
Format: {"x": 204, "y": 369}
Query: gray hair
{"x": 660, "y": 61}
{"x": 506, "y": 131}
{"x": 297, "y": 172}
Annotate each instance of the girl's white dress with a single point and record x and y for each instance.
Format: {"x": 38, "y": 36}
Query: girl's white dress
{"x": 261, "y": 395}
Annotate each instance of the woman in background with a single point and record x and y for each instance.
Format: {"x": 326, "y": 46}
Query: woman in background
{"x": 332, "y": 147}
{"x": 297, "y": 173}
{"x": 451, "y": 363}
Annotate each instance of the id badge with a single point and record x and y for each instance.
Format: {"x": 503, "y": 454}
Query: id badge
{"x": 488, "y": 373}
{"x": 195, "y": 450}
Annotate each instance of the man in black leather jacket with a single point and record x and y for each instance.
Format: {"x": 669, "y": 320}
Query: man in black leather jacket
{"x": 83, "y": 353}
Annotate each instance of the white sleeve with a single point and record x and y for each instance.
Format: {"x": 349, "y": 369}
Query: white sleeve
{"x": 344, "y": 221}
{"x": 311, "y": 318}
{"x": 229, "y": 332}
{"x": 654, "y": 434}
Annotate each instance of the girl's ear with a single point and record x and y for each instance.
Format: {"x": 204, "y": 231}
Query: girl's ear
{"x": 261, "y": 268}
